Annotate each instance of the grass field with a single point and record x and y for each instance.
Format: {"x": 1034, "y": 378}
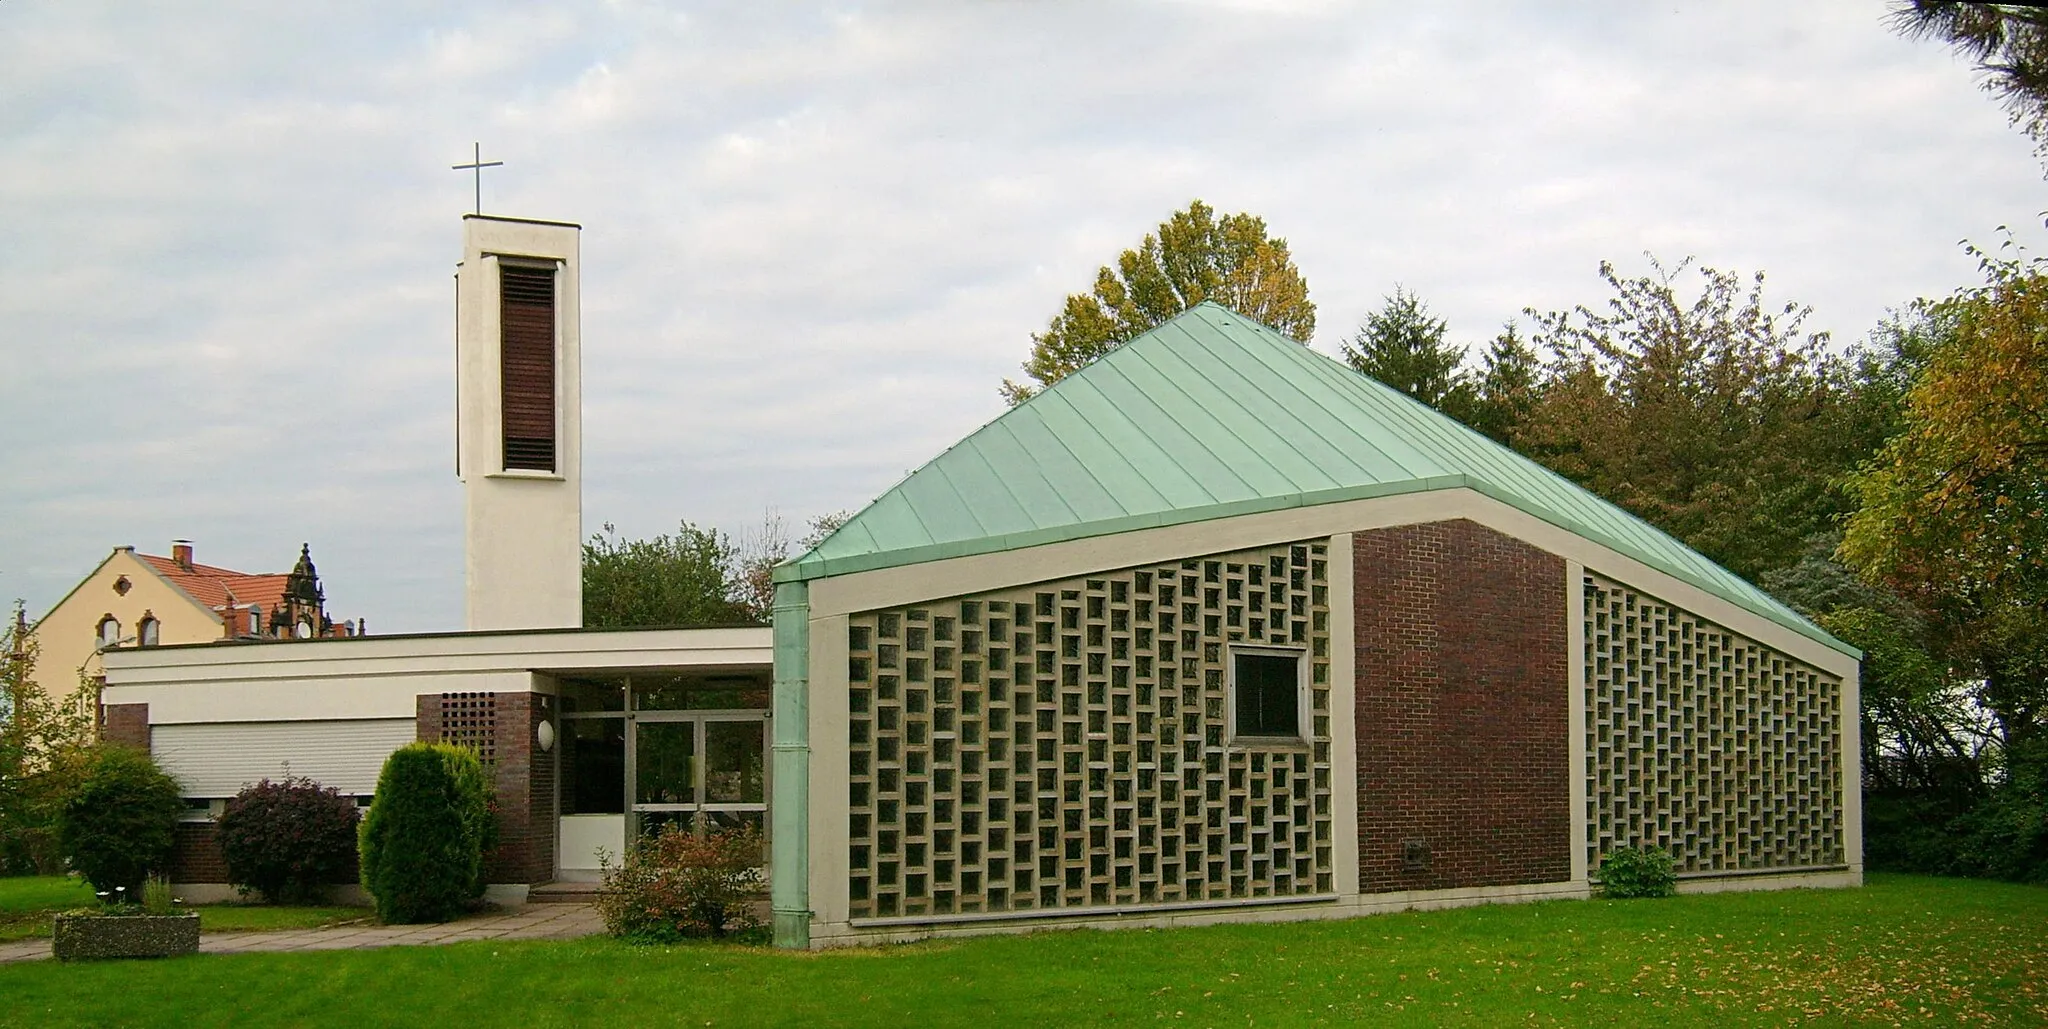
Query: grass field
{"x": 27, "y": 902}
{"x": 1900, "y": 951}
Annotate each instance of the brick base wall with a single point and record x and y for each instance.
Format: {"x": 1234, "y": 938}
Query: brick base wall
{"x": 1462, "y": 719}
{"x": 195, "y": 855}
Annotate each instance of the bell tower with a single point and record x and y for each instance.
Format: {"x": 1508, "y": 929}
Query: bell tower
{"x": 519, "y": 422}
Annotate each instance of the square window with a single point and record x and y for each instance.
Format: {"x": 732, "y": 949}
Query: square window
{"x": 1266, "y": 693}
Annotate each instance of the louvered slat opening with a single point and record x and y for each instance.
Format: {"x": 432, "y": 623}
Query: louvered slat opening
{"x": 526, "y": 313}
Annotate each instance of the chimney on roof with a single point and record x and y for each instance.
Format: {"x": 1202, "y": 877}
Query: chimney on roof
{"x": 181, "y": 552}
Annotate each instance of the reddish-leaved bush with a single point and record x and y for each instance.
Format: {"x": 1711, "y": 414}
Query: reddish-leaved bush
{"x": 677, "y": 885}
{"x": 287, "y": 840}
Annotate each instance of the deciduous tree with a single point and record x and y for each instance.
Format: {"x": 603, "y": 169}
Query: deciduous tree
{"x": 1194, "y": 256}
{"x": 1921, "y": 733}
{"x": 754, "y": 575}
{"x": 1714, "y": 417}
{"x": 1954, "y": 510}
{"x": 680, "y": 579}
{"x": 44, "y": 743}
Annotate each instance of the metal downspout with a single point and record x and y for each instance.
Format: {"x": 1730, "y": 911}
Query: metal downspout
{"x": 789, "y": 872}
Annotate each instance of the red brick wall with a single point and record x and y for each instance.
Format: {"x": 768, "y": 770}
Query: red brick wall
{"x": 195, "y": 856}
{"x": 1462, "y": 719}
{"x": 526, "y": 793}
{"x": 426, "y": 717}
{"x": 525, "y": 780}
{"x": 126, "y": 724}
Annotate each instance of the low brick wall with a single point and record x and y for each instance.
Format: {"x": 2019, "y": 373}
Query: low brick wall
{"x": 196, "y": 857}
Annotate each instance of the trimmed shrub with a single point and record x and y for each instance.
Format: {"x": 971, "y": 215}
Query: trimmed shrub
{"x": 479, "y": 797}
{"x": 119, "y": 823}
{"x": 422, "y": 846}
{"x": 287, "y": 840}
{"x": 1638, "y": 872}
{"x": 677, "y": 885}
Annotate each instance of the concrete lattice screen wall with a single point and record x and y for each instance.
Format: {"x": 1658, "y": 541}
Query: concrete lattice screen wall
{"x": 1062, "y": 746}
{"x": 1462, "y": 689}
{"x": 1706, "y": 743}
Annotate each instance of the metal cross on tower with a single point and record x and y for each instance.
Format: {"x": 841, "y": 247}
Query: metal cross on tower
{"x": 478, "y": 164}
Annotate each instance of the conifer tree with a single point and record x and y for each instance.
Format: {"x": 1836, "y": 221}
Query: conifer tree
{"x": 1508, "y": 381}
{"x": 1402, "y": 345}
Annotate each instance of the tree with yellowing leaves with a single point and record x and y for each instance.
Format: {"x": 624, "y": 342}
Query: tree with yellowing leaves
{"x": 1195, "y": 256}
{"x": 1954, "y": 508}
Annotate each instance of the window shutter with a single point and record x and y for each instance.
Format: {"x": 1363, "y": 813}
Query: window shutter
{"x": 217, "y": 759}
{"x": 526, "y": 348}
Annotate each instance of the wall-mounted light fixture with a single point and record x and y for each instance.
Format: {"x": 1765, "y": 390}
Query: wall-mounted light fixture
{"x": 544, "y": 734}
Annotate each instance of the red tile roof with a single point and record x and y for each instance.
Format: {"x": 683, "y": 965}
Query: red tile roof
{"x": 214, "y": 586}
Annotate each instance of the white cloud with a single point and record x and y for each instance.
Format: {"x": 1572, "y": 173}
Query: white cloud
{"x": 816, "y": 238}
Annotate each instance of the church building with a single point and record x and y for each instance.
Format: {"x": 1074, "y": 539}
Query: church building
{"x": 1213, "y": 629}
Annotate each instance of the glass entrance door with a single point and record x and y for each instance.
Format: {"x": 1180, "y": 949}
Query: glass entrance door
{"x": 643, "y": 749}
{"x": 702, "y": 771}
{"x": 735, "y": 773}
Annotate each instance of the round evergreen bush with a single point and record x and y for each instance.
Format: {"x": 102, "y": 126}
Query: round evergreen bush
{"x": 119, "y": 823}
{"x": 479, "y": 802}
{"x": 1638, "y": 872}
{"x": 423, "y": 844}
{"x": 287, "y": 840}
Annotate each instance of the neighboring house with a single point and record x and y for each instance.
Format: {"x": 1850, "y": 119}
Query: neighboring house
{"x": 1214, "y": 629}
{"x": 143, "y": 600}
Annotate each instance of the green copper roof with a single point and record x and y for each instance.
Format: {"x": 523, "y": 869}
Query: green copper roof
{"x": 1212, "y": 415}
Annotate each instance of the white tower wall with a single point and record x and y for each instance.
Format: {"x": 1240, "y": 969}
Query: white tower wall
{"x": 523, "y": 527}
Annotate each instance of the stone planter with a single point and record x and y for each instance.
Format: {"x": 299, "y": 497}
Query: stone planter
{"x": 85, "y": 937}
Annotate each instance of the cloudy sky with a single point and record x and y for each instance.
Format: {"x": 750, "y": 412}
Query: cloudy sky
{"x": 816, "y": 238}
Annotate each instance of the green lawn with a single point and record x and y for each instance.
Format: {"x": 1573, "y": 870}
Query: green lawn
{"x": 27, "y": 894}
{"x": 27, "y": 902}
{"x": 1902, "y": 950}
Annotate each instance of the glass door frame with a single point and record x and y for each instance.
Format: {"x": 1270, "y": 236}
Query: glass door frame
{"x": 700, "y": 719}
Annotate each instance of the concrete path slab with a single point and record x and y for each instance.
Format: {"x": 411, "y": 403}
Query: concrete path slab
{"x": 555, "y": 921}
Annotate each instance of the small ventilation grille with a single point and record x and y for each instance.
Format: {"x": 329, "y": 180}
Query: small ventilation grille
{"x": 471, "y": 720}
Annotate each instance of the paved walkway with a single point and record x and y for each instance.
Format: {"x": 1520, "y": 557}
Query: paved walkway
{"x": 526, "y": 922}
